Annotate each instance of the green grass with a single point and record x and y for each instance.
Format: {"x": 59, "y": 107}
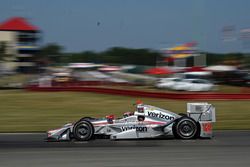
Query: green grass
{"x": 39, "y": 111}
{"x": 13, "y": 79}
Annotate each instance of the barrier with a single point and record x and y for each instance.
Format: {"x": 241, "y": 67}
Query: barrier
{"x": 89, "y": 83}
{"x": 136, "y": 93}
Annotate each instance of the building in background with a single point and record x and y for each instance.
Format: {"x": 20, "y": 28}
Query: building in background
{"x": 21, "y": 40}
{"x": 180, "y": 54}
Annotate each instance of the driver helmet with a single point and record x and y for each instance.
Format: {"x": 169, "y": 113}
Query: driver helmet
{"x": 110, "y": 118}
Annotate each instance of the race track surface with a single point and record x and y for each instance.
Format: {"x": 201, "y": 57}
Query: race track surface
{"x": 226, "y": 149}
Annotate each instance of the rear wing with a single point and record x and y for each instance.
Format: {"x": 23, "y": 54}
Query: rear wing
{"x": 201, "y": 112}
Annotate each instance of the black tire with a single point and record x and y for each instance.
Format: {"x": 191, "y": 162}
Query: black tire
{"x": 185, "y": 128}
{"x": 87, "y": 119}
{"x": 182, "y": 114}
{"x": 83, "y": 130}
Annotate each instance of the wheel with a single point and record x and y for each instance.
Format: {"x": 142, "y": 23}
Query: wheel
{"x": 83, "y": 130}
{"x": 87, "y": 119}
{"x": 182, "y": 114}
{"x": 185, "y": 128}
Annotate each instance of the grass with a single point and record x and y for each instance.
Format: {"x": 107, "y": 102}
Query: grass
{"x": 22, "y": 111}
{"x": 14, "y": 79}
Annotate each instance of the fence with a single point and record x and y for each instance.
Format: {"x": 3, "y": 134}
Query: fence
{"x": 136, "y": 93}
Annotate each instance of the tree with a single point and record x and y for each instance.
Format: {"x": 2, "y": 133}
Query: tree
{"x": 87, "y": 56}
{"x": 130, "y": 56}
{"x": 51, "y": 53}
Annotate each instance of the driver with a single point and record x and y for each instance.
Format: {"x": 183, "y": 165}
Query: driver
{"x": 127, "y": 114}
{"x": 110, "y": 118}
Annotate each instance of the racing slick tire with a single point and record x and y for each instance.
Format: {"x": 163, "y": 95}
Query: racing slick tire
{"x": 186, "y": 128}
{"x": 87, "y": 119}
{"x": 83, "y": 130}
{"x": 182, "y": 114}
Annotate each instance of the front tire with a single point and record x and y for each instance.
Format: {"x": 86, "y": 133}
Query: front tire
{"x": 83, "y": 130}
{"x": 185, "y": 128}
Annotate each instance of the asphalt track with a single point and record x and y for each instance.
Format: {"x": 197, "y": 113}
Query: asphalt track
{"x": 226, "y": 149}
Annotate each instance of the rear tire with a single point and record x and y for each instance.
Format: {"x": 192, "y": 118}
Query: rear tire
{"x": 185, "y": 128}
{"x": 83, "y": 130}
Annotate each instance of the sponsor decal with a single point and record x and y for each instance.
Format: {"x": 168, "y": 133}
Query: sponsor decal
{"x": 137, "y": 128}
{"x": 160, "y": 115}
{"x": 207, "y": 127}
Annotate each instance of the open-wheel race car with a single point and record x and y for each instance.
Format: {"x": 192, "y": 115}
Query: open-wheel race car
{"x": 146, "y": 122}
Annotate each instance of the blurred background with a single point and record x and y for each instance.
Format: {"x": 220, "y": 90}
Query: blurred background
{"x": 89, "y": 48}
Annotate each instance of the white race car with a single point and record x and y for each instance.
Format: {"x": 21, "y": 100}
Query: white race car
{"x": 146, "y": 122}
{"x": 168, "y": 82}
{"x": 186, "y": 84}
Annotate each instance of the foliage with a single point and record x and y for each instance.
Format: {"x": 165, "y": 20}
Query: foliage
{"x": 227, "y": 58}
{"x": 116, "y": 55}
{"x": 51, "y": 53}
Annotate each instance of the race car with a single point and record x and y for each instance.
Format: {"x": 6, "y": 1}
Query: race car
{"x": 146, "y": 122}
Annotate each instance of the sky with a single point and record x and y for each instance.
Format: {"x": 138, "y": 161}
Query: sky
{"x": 81, "y": 25}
